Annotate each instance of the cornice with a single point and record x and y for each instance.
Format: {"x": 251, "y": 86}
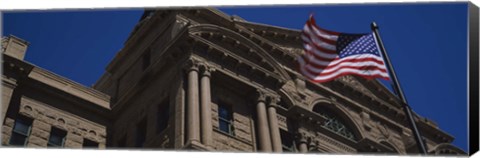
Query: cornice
{"x": 270, "y": 30}
{"x": 31, "y": 71}
{"x": 70, "y": 87}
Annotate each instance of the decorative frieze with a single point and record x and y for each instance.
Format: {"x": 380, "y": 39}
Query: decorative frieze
{"x": 366, "y": 121}
{"x": 45, "y": 117}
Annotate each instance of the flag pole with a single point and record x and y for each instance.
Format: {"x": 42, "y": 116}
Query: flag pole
{"x": 398, "y": 90}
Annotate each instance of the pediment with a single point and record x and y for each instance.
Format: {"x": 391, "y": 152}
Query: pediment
{"x": 285, "y": 46}
{"x": 274, "y": 49}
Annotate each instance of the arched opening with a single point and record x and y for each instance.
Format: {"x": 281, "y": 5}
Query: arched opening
{"x": 335, "y": 123}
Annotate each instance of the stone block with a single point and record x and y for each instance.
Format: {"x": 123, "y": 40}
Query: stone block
{"x": 37, "y": 141}
{"x": 5, "y": 139}
{"x": 31, "y": 145}
{"x": 242, "y": 128}
{"x": 74, "y": 137}
{"x": 42, "y": 125}
{"x": 240, "y": 118}
{"x": 6, "y": 130}
{"x": 40, "y": 133}
{"x": 243, "y": 135}
{"x": 9, "y": 122}
{"x": 72, "y": 144}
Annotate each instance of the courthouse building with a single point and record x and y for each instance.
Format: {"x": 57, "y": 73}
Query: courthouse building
{"x": 198, "y": 79}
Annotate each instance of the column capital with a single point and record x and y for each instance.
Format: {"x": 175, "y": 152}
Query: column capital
{"x": 302, "y": 137}
{"x": 206, "y": 69}
{"x": 192, "y": 64}
{"x": 274, "y": 100}
{"x": 261, "y": 95}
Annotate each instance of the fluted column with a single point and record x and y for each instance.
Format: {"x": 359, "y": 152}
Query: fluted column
{"x": 262, "y": 124}
{"x": 206, "y": 110}
{"x": 273, "y": 124}
{"x": 193, "y": 119}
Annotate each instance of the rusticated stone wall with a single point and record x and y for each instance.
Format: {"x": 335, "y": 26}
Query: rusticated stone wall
{"x": 45, "y": 117}
{"x": 242, "y": 140}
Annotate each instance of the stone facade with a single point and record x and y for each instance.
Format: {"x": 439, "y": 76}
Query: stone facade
{"x": 198, "y": 79}
{"x": 49, "y": 101}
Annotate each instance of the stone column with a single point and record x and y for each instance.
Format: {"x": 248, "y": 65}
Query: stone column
{"x": 273, "y": 124}
{"x": 205, "y": 104}
{"x": 193, "y": 118}
{"x": 262, "y": 124}
{"x": 302, "y": 142}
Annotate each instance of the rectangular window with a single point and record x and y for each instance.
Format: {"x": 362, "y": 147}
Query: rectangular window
{"x": 163, "y": 115}
{"x": 21, "y": 131}
{"x": 87, "y": 143}
{"x": 288, "y": 144}
{"x": 225, "y": 119}
{"x": 141, "y": 132}
{"x": 57, "y": 138}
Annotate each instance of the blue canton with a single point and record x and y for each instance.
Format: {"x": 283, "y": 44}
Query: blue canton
{"x": 354, "y": 44}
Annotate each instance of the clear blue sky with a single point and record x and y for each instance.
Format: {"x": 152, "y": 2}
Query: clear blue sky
{"x": 426, "y": 43}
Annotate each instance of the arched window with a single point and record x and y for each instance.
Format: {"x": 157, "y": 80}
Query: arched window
{"x": 334, "y": 123}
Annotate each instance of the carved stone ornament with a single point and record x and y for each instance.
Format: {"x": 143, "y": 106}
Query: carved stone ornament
{"x": 274, "y": 100}
{"x": 192, "y": 64}
{"x": 383, "y": 130}
{"x": 367, "y": 123}
{"x": 178, "y": 25}
{"x": 351, "y": 81}
{"x": 290, "y": 88}
{"x": 300, "y": 86}
{"x": 301, "y": 137}
{"x": 261, "y": 95}
{"x": 206, "y": 69}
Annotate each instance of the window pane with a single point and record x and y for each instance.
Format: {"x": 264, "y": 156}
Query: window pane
{"x": 57, "y": 137}
{"x": 335, "y": 124}
{"x": 21, "y": 131}
{"x": 89, "y": 144}
{"x": 55, "y": 141}
{"x": 18, "y": 139}
{"x": 223, "y": 113}
{"x": 224, "y": 126}
{"x": 225, "y": 119}
{"x": 21, "y": 127}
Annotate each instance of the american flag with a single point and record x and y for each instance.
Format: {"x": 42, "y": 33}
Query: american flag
{"x": 330, "y": 54}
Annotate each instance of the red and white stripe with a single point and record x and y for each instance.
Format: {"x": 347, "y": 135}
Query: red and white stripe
{"x": 321, "y": 63}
